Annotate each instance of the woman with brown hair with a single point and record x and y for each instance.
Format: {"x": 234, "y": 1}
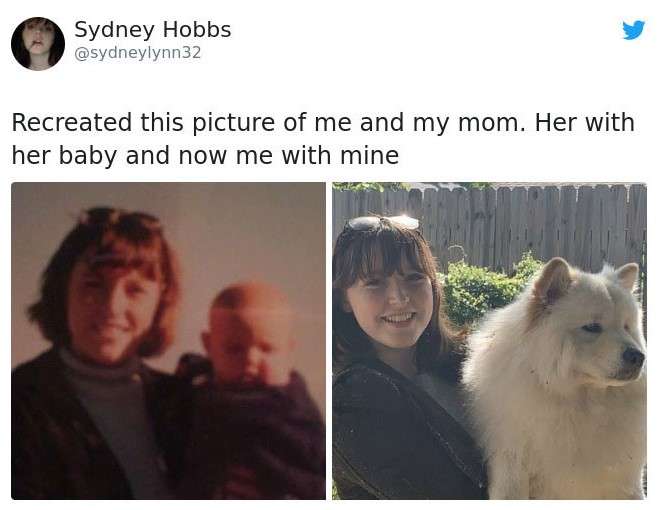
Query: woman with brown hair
{"x": 37, "y": 44}
{"x": 89, "y": 419}
{"x": 399, "y": 428}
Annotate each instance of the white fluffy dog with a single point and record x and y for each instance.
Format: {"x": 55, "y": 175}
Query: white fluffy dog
{"x": 557, "y": 382}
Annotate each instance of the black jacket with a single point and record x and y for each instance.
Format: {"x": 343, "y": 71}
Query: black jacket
{"x": 391, "y": 440}
{"x": 276, "y": 432}
{"x": 57, "y": 451}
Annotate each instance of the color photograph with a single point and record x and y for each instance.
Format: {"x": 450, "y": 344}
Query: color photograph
{"x": 168, "y": 341}
{"x": 488, "y": 340}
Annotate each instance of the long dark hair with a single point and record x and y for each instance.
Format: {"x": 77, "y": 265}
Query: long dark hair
{"x": 361, "y": 253}
{"x": 21, "y": 53}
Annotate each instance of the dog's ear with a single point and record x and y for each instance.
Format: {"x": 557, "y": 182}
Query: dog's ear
{"x": 554, "y": 281}
{"x": 627, "y": 276}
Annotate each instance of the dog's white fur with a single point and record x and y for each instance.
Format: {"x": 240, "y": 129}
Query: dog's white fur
{"x": 558, "y": 412}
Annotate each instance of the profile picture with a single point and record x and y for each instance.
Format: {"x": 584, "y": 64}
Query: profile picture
{"x": 37, "y": 44}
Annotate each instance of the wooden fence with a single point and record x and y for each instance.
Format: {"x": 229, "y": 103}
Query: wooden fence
{"x": 493, "y": 227}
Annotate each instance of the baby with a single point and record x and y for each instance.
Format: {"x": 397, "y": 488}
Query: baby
{"x": 249, "y": 340}
{"x": 256, "y": 433}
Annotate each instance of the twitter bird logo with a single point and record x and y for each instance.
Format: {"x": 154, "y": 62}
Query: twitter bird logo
{"x": 633, "y": 31}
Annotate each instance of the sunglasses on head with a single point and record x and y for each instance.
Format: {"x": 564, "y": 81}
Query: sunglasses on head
{"x": 101, "y": 216}
{"x": 364, "y": 223}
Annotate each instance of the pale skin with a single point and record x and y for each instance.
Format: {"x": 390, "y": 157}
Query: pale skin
{"x": 109, "y": 310}
{"x": 38, "y": 37}
{"x": 393, "y": 310}
{"x": 250, "y": 346}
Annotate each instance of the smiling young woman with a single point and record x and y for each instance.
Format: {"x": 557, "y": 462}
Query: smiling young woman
{"x": 108, "y": 298}
{"x": 399, "y": 431}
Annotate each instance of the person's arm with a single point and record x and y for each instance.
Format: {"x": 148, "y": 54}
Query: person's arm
{"x": 383, "y": 444}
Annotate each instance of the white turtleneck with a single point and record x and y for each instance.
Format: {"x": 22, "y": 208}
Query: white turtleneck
{"x": 114, "y": 399}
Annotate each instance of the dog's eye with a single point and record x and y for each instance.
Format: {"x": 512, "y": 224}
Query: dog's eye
{"x": 594, "y": 327}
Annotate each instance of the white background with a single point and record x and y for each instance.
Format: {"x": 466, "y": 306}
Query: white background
{"x": 449, "y": 58}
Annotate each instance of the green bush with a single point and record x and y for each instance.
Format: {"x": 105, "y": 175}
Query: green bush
{"x": 526, "y": 268}
{"x": 470, "y": 291}
{"x": 370, "y": 186}
{"x": 473, "y": 184}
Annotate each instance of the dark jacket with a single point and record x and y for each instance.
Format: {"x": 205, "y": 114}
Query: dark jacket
{"x": 57, "y": 451}
{"x": 391, "y": 440}
{"x": 278, "y": 433}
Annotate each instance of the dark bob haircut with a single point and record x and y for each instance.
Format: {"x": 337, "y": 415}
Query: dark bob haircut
{"x": 358, "y": 254}
{"x": 107, "y": 237}
{"x": 21, "y": 53}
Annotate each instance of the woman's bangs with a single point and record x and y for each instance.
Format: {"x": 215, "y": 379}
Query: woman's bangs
{"x": 115, "y": 251}
{"x": 386, "y": 254}
{"x": 38, "y": 21}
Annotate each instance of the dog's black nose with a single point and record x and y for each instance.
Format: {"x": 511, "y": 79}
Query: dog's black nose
{"x": 633, "y": 357}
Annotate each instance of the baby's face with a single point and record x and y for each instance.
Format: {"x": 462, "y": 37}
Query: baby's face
{"x": 250, "y": 347}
